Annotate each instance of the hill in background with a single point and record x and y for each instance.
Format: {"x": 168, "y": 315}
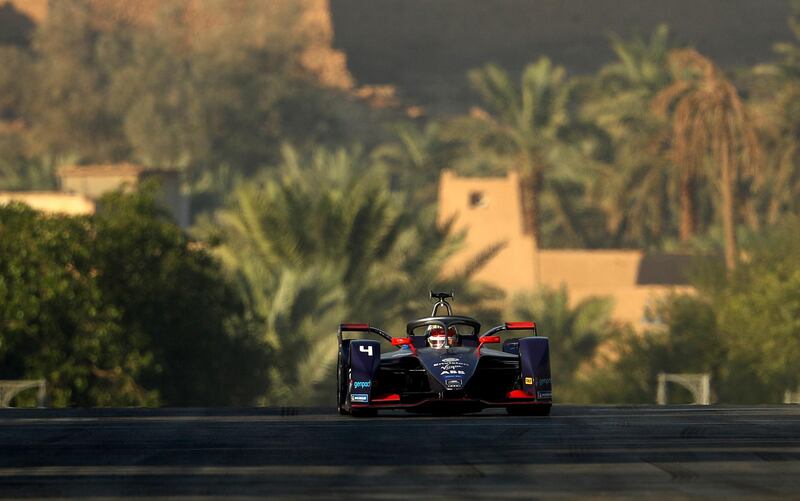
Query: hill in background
{"x": 306, "y": 22}
{"x": 425, "y": 47}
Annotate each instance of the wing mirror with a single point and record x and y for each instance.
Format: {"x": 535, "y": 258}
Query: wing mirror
{"x": 489, "y": 339}
{"x": 404, "y": 341}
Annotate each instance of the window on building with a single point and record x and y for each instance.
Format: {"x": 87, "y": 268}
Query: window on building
{"x": 477, "y": 199}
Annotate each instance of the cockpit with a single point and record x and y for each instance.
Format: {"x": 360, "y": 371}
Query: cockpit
{"x": 443, "y": 329}
{"x": 443, "y": 332}
{"x": 438, "y": 338}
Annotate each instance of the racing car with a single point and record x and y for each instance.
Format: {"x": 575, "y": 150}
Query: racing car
{"x": 443, "y": 365}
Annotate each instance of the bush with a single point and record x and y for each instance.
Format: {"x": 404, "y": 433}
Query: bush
{"x": 121, "y": 308}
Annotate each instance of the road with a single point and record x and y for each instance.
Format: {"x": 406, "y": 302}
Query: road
{"x": 615, "y": 452}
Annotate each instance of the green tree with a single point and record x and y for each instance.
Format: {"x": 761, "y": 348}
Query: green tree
{"x": 202, "y": 109}
{"x": 709, "y": 123}
{"x": 575, "y": 332}
{"x": 685, "y": 339}
{"x": 635, "y": 190}
{"x": 789, "y": 65}
{"x": 216, "y": 100}
{"x": 121, "y": 308}
{"x": 67, "y": 106}
{"x": 414, "y": 160}
{"x": 19, "y": 170}
{"x": 531, "y": 128}
{"x": 174, "y": 301}
{"x": 16, "y": 64}
{"x": 324, "y": 241}
{"x": 54, "y": 321}
{"x": 775, "y": 94}
{"x": 741, "y": 327}
{"x": 777, "y": 188}
{"x": 758, "y": 311}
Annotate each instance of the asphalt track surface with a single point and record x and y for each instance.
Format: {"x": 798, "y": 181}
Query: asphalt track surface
{"x": 666, "y": 452}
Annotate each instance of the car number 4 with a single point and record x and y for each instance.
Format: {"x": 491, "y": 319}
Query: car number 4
{"x": 366, "y": 349}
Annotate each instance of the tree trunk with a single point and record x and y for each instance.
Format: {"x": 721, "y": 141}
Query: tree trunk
{"x": 728, "y": 225}
{"x": 530, "y": 191}
{"x": 688, "y": 225}
{"x": 530, "y": 194}
{"x": 781, "y": 182}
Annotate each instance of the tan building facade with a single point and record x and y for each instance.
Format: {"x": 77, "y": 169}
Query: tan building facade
{"x": 93, "y": 181}
{"x": 51, "y": 202}
{"x": 489, "y": 210}
{"x": 307, "y": 20}
{"x": 83, "y": 185}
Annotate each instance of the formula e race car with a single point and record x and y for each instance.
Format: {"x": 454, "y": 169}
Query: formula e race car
{"x": 443, "y": 365}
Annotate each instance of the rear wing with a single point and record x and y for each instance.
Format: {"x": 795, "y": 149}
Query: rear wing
{"x": 361, "y": 328}
{"x": 512, "y": 326}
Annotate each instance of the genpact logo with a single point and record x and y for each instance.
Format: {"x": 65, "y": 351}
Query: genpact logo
{"x": 362, "y": 384}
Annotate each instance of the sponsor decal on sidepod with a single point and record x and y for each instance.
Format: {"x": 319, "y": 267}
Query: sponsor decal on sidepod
{"x": 359, "y": 397}
{"x": 362, "y": 384}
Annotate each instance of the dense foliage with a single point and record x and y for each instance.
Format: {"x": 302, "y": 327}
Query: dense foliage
{"x": 216, "y": 105}
{"x": 741, "y": 328}
{"x": 576, "y": 332}
{"x": 312, "y": 208}
{"x": 326, "y": 241}
{"x": 121, "y": 309}
{"x": 54, "y": 321}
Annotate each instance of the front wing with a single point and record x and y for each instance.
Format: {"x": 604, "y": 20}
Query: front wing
{"x": 394, "y": 401}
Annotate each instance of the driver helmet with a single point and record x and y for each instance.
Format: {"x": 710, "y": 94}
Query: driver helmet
{"x": 452, "y": 336}
{"x": 437, "y": 338}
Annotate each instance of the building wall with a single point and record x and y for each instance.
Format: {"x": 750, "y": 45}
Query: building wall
{"x": 589, "y": 268}
{"x": 614, "y": 273}
{"x": 489, "y": 210}
{"x": 95, "y": 186}
{"x": 94, "y": 181}
{"x": 171, "y": 196}
{"x": 51, "y": 202}
{"x": 496, "y": 219}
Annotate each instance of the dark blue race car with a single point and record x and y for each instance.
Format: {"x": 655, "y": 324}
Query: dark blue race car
{"x": 444, "y": 365}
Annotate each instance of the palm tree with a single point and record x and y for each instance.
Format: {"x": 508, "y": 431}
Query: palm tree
{"x": 414, "y": 160}
{"x": 779, "y": 184}
{"x": 576, "y": 330}
{"x": 635, "y": 190}
{"x": 640, "y": 63}
{"x": 777, "y": 98}
{"x": 789, "y": 67}
{"x": 322, "y": 241}
{"x": 709, "y": 121}
{"x": 525, "y": 123}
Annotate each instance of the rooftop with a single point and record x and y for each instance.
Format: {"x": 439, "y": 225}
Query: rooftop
{"x": 109, "y": 170}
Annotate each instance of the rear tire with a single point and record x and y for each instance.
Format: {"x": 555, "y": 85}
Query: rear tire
{"x": 341, "y": 390}
{"x": 529, "y": 410}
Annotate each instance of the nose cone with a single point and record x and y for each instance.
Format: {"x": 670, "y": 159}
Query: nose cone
{"x": 452, "y": 368}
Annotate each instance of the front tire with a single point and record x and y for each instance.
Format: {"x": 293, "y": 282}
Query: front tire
{"x": 341, "y": 390}
{"x": 529, "y": 410}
